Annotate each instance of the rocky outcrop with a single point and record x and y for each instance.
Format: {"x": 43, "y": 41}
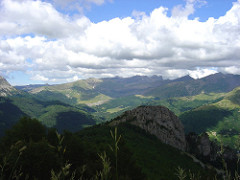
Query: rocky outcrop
{"x": 201, "y": 146}
{"x": 5, "y": 88}
{"x": 156, "y": 120}
{"x": 209, "y": 152}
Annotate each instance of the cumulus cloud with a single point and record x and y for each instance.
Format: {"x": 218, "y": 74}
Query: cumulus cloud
{"x": 54, "y": 47}
{"x": 188, "y": 9}
{"x": 200, "y": 73}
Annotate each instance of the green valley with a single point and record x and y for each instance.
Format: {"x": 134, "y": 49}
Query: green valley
{"x": 219, "y": 119}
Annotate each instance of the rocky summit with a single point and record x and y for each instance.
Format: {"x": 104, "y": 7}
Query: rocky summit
{"x": 5, "y": 88}
{"x": 156, "y": 120}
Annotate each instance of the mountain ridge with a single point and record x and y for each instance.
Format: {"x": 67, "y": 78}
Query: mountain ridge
{"x": 156, "y": 120}
{"x": 5, "y": 88}
{"x": 94, "y": 92}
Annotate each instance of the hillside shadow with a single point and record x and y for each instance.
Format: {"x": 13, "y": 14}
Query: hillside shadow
{"x": 72, "y": 121}
{"x": 9, "y": 114}
{"x": 201, "y": 119}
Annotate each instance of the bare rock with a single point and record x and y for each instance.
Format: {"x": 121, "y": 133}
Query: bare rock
{"x": 5, "y": 88}
{"x": 159, "y": 121}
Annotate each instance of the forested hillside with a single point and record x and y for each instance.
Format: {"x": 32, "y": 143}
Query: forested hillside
{"x": 30, "y": 150}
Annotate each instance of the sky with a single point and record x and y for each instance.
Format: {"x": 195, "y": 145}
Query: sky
{"x": 59, "y": 41}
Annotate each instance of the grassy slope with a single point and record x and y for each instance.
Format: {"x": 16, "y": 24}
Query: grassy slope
{"x": 157, "y": 160}
{"x": 51, "y": 113}
{"x": 182, "y": 104}
{"x": 79, "y": 92}
{"x": 221, "y": 119}
{"x": 115, "y": 107}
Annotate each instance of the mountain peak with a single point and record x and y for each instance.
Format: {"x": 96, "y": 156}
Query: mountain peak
{"x": 156, "y": 120}
{"x": 5, "y": 88}
{"x": 184, "y": 78}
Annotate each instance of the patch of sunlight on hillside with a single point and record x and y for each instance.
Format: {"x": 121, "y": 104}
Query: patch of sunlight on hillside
{"x": 203, "y": 97}
{"x": 226, "y": 104}
{"x": 114, "y": 110}
{"x": 98, "y": 100}
{"x": 143, "y": 97}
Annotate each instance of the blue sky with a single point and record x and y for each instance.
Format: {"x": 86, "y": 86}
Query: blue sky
{"x": 124, "y": 8}
{"x": 58, "y": 41}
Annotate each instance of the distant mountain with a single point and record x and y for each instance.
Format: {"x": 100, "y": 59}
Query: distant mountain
{"x": 94, "y": 92}
{"x": 215, "y": 83}
{"x": 121, "y": 87}
{"x": 112, "y": 96}
{"x": 29, "y": 87}
{"x": 79, "y": 92}
{"x": 184, "y": 78}
{"x": 97, "y": 91}
{"x": 5, "y": 88}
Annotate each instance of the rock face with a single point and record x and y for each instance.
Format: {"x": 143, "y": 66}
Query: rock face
{"x": 5, "y": 88}
{"x": 209, "y": 152}
{"x": 201, "y": 146}
{"x": 159, "y": 121}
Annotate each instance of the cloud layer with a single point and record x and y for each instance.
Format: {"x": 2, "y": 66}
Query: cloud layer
{"x": 55, "y": 47}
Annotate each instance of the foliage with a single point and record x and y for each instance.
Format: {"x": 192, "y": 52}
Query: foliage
{"x": 115, "y": 148}
{"x": 155, "y": 159}
{"x": 199, "y": 120}
{"x": 180, "y": 173}
{"x": 51, "y": 113}
{"x": 41, "y": 154}
{"x": 105, "y": 173}
{"x": 9, "y": 114}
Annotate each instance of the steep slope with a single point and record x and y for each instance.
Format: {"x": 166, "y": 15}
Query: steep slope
{"x": 156, "y": 120}
{"x": 9, "y": 114}
{"x": 5, "y": 88}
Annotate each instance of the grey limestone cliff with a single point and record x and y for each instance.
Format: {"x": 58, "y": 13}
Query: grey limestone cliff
{"x": 159, "y": 121}
{"x": 5, "y": 88}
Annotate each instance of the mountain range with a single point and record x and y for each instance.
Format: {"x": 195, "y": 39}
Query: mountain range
{"x": 98, "y": 91}
{"x": 75, "y": 105}
{"x": 145, "y": 110}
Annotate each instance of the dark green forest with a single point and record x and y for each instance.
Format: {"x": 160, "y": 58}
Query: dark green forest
{"x": 30, "y": 150}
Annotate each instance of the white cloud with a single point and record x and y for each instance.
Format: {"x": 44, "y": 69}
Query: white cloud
{"x": 37, "y": 18}
{"x": 231, "y": 70}
{"x": 38, "y": 77}
{"x": 54, "y": 47}
{"x": 200, "y": 73}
